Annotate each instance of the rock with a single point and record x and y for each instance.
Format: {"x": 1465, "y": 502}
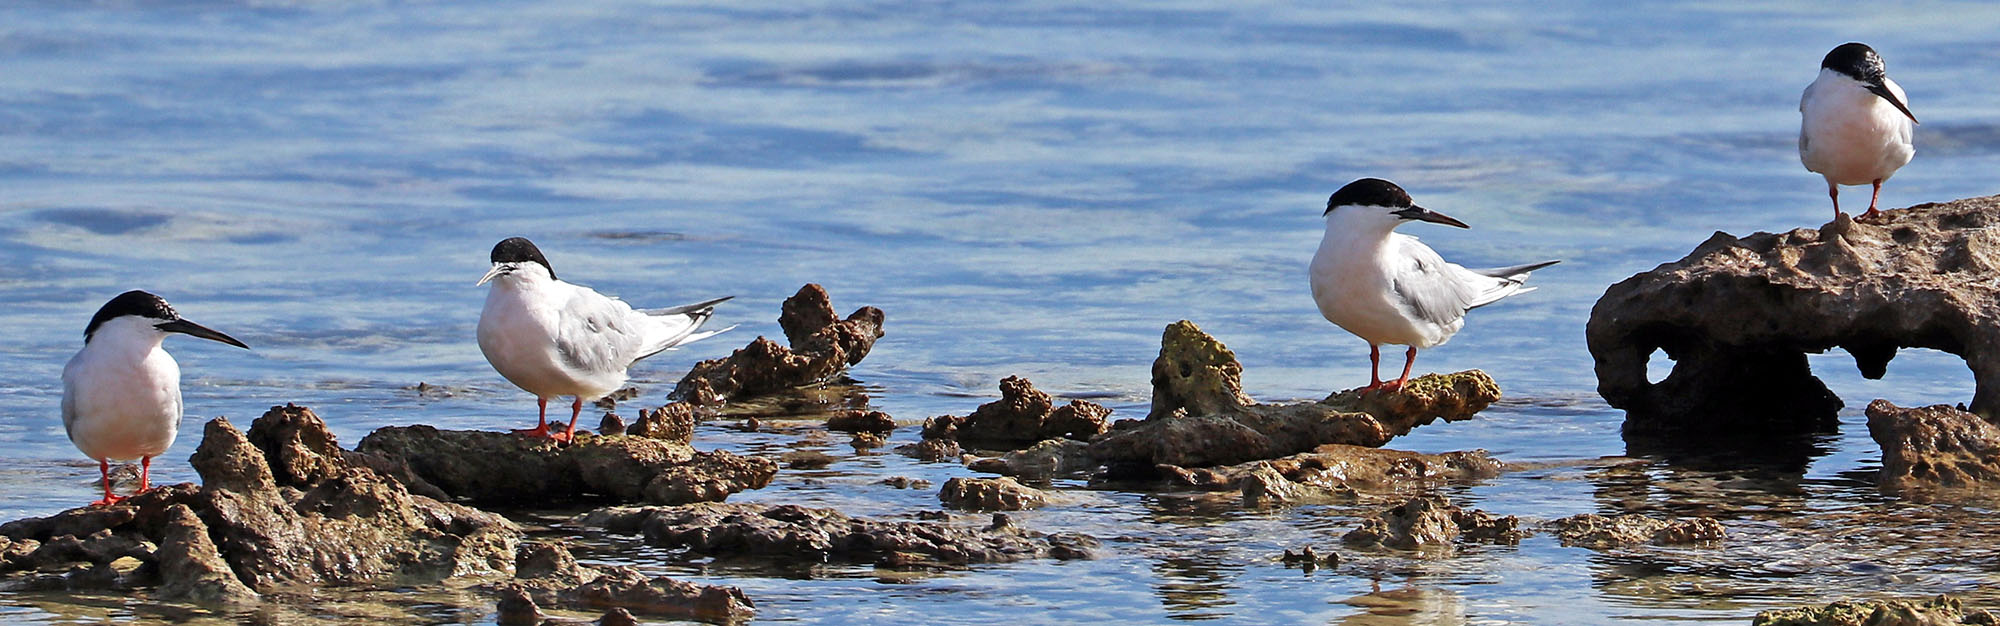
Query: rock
{"x": 611, "y": 426}
{"x": 1934, "y": 446}
{"x": 503, "y": 468}
{"x": 1050, "y": 457}
{"x": 1599, "y": 532}
{"x": 932, "y": 450}
{"x": 1738, "y": 316}
{"x": 516, "y": 609}
{"x": 793, "y": 533}
{"x": 1308, "y": 560}
{"x": 905, "y": 482}
{"x": 191, "y": 568}
{"x": 806, "y": 459}
{"x": 859, "y": 421}
{"x": 535, "y": 559}
{"x": 1201, "y": 418}
{"x": 868, "y": 441}
{"x": 1938, "y": 611}
{"x": 1432, "y": 521}
{"x": 1022, "y": 416}
{"x": 617, "y": 616}
{"x": 991, "y": 494}
{"x": 822, "y": 346}
{"x": 673, "y": 422}
{"x": 626, "y": 588}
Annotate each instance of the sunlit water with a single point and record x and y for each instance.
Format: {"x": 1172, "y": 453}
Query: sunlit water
{"x": 1025, "y": 189}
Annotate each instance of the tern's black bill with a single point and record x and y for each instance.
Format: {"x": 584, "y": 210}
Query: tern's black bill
{"x": 1427, "y": 215}
{"x": 197, "y": 330}
{"x": 1883, "y": 90}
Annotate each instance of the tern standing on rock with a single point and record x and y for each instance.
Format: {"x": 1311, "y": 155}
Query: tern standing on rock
{"x": 1856, "y": 128}
{"x": 1387, "y": 287}
{"x": 121, "y": 392}
{"x": 553, "y": 338}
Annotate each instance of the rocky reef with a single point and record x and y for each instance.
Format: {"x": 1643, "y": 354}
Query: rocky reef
{"x": 501, "y": 468}
{"x": 1928, "y": 448}
{"x": 813, "y": 535}
{"x": 1938, "y": 611}
{"x": 1200, "y": 416}
{"x": 822, "y": 346}
{"x": 1739, "y": 314}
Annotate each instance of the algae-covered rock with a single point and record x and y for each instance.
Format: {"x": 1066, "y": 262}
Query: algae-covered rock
{"x": 990, "y": 494}
{"x": 1022, "y": 416}
{"x": 1934, "y": 446}
{"x": 822, "y": 346}
{"x": 1938, "y": 611}
{"x": 1432, "y": 521}
{"x": 502, "y": 468}
{"x": 1201, "y": 418}
{"x": 1599, "y": 532}
{"x": 1738, "y": 316}
{"x": 791, "y": 533}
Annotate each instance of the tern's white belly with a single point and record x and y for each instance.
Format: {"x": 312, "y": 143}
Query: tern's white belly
{"x": 122, "y": 411}
{"x": 1355, "y": 294}
{"x": 520, "y": 342}
{"x": 1853, "y": 137}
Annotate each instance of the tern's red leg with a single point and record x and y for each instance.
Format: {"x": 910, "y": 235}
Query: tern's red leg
{"x": 145, "y": 474}
{"x": 104, "y": 471}
{"x": 575, "y": 409}
{"x": 1409, "y": 359}
{"x": 1872, "y": 212}
{"x": 541, "y": 429}
{"x": 1833, "y": 191}
{"x": 1374, "y": 368}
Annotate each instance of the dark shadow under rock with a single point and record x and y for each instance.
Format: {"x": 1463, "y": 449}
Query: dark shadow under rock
{"x": 1938, "y": 611}
{"x": 1021, "y": 417}
{"x": 799, "y": 534}
{"x": 1432, "y": 522}
{"x": 1599, "y": 532}
{"x": 316, "y": 518}
{"x": 503, "y": 468}
{"x": 1738, "y": 316}
{"x": 1200, "y": 416}
{"x": 822, "y": 346}
{"x": 1934, "y": 447}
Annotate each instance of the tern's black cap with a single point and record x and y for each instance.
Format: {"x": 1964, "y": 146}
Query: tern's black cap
{"x": 134, "y": 302}
{"x": 1857, "y": 61}
{"x": 520, "y": 250}
{"x": 1369, "y": 192}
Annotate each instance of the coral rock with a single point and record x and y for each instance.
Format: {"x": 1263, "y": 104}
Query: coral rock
{"x": 673, "y": 422}
{"x": 1935, "y": 446}
{"x": 796, "y": 533}
{"x": 823, "y": 346}
{"x": 1597, "y": 531}
{"x": 1051, "y": 457}
{"x": 859, "y": 421}
{"x": 1939, "y": 611}
{"x": 1022, "y": 416}
{"x": 1432, "y": 521}
{"x": 991, "y": 494}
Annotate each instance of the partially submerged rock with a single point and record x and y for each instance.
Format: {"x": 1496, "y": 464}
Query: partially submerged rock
{"x": 812, "y": 535}
{"x": 1599, "y": 532}
{"x": 289, "y": 510}
{"x": 1432, "y": 521}
{"x": 547, "y": 574}
{"x": 672, "y": 422}
{"x": 1934, "y": 446}
{"x": 1022, "y": 416}
{"x": 861, "y": 421}
{"x": 1738, "y": 316}
{"x": 503, "y": 468}
{"x": 991, "y": 494}
{"x": 822, "y": 346}
{"x": 1050, "y": 457}
{"x": 1200, "y": 416}
{"x": 1938, "y": 611}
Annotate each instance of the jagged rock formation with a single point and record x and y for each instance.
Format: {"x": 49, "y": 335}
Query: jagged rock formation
{"x": 1021, "y": 417}
{"x": 812, "y": 535}
{"x": 822, "y": 346}
{"x": 1934, "y": 446}
{"x": 1200, "y": 416}
{"x": 1738, "y": 315}
{"x": 1599, "y": 532}
{"x": 1938, "y": 611}
{"x": 1432, "y": 521}
{"x": 502, "y": 468}
{"x": 990, "y": 494}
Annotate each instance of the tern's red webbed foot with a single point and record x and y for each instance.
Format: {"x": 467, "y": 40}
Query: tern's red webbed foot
{"x": 543, "y": 432}
{"x": 109, "y": 500}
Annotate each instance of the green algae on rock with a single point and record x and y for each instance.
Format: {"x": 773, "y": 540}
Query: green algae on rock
{"x": 1200, "y": 416}
{"x": 1938, "y": 611}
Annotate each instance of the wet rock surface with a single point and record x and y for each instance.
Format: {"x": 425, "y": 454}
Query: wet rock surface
{"x": 1938, "y": 611}
{"x": 1432, "y": 521}
{"x": 991, "y": 494}
{"x": 502, "y": 468}
{"x": 1599, "y": 532}
{"x": 1738, "y": 316}
{"x": 287, "y": 510}
{"x": 1200, "y": 416}
{"x": 1021, "y": 417}
{"x": 1934, "y": 447}
{"x": 861, "y": 421}
{"x": 805, "y": 534}
{"x": 822, "y": 346}
{"x": 547, "y": 574}
{"x": 1048, "y": 458}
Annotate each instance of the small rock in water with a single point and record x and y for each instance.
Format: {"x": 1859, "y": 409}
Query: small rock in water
{"x": 869, "y": 441}
{"x": 1938, "y": 611}
{"x": 806, "y": 459}
{"x": 517, "y": 609}
{"x": 1022, "y": 416}
{"x": 990, "y": 494}
{"x": 611, "y": 426}
{"x": 905, "y": 482}
{"x": 822, "y": 347}
{"x": 1432, "y": 521}
{"x": 1308, "y": 560}
{"x": 859, "y": 421}
{"x": 610, "y": 401}
{"x": 1598, "y": 531}
{"x": 617, "y": 616}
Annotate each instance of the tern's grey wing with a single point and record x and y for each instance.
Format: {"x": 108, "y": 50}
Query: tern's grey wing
{"x": 598, "y": 334}
{"x": 1430, "y": 288}
{"x": 68, "y": 403}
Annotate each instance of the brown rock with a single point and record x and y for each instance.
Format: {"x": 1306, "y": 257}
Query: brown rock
{"x": 626, "y": 588}
{"x": 822, "y": 347}
{"x": 1934, "y": 446}
{"x": 1938, "y": 611}
{"x": 617, "y": 616}
{"x": 502, "y": 468}
{"x": 191, "y": 568}
{"x": 1022, "y": 416}
{"x": 516, "y": 608}
{"x": 796, "y": 533}
{"x": 1599, "y": 532}
{"x": 860, "y": 421}
{"x": 1738, "y": 316}
{"x": 612, "y": 425}
{"x": 1432, "y": 521}
{"x": 932, "y": 450}
{"x": 991, "y": 494}
{"x": 673, "y": 422}
{"x": 1050, "y": 457}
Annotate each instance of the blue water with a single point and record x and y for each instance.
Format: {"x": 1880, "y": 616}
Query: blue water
{"x": 1031, "y": 189}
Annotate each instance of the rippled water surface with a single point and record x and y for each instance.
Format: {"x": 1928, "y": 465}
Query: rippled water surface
{"x": 1031, "y": 189}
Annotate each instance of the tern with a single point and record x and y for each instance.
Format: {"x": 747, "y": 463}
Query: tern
{"x": 553, "y": 338}
{"x": 1855, "y": 127}
{"x": 121, "y": 392}
{"x": 1389, "y": 288}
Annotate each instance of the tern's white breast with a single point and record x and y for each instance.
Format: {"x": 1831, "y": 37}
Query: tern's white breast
{"x": 1352, "y": 284}
{"x": 519, "y": 331}
{"x": 1850, "y": 135}
{"x": 121, "y": 401}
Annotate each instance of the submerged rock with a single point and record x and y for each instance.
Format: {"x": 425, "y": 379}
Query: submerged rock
{"x": 503, "y": 468}
{"x": 822, "y": 346}
{"x": 1432, "y": 521}
{"x": 289, "y": 510}
{"x": 1938, "y": 611}
{"x": 991, "y": 494}
{"x": 1599, "y": 532}
{"x": 800, "y": 534}
{"x": 1738, "y": 316}
{"x": 1934, "y": 446}
{"x": 1022, "y": 416}
{"x": 1200, "y": 416}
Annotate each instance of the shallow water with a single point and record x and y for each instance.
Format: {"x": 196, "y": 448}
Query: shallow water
{"x": 1025, "y": 189}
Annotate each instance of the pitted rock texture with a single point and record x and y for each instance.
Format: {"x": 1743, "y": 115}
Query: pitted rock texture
{"x": 1599, "y": 532}
{"x": 860, "y": 421}
{"x": 291, "y": 510}
{"x": 503, "y": 468}
{"x": 1049, "y": 458}
{"x": 822, "y": 347}
{"x": 1201, "y": 418}
{"x": 1432, "y": 521}
{"x": 1934, "y": 446}
{"x": 547, "y": 574}
{"x": 802, "y": 534}
{"x": 673, "y": 422}
{"x": 1738, "y": 316}
{"x": 1938, "y": 611}
{"x": 990, "y": 494}
{"x": 1021, "y": 417}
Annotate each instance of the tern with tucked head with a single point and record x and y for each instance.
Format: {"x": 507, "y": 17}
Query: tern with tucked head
{"x": 553, "y": 338}
{"x": 1389, "y": 288}
{"x": 1856, "y": 124}
{"x": 122, "y": 392}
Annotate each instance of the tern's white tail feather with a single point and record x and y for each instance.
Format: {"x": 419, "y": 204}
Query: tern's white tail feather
{"x": 679, "y": 325}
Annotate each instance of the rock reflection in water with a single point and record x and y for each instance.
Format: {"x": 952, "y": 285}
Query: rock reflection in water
{"x": 1410, "y": 605}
